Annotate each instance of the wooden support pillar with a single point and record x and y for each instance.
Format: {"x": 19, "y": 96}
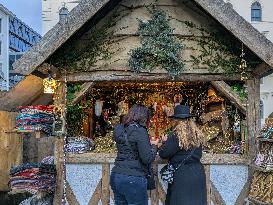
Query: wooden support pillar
{"x": 253, "y": 114}
{"x": 59, "y": 157}
{"x": 208, "y": 184}
{"x": 59, "y": 100}
{"x": 105, "y": 186}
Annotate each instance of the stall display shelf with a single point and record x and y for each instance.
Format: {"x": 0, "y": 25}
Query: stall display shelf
{"x": 38, "y": 134}
{"x": 262, "y": 169}
{"x": 258, "y": 202}
{"x": 264, "y": 140}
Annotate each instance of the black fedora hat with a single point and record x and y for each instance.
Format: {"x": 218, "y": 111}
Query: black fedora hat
{"x": 181, "y": 112}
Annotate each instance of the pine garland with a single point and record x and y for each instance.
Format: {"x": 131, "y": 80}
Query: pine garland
{"x": 159, "y": 48}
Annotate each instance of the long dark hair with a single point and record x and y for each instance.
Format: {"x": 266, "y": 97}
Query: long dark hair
{"x": 137, "y": 113}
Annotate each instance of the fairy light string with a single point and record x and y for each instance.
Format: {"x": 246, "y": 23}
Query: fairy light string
{"x": 64, "y": 197}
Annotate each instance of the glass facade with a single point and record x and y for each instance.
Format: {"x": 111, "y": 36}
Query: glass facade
{"x": 21, "y": 39}
{"x": 21, "y": 36}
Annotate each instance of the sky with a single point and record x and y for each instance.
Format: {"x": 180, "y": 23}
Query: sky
{"x": 28, "y": 11}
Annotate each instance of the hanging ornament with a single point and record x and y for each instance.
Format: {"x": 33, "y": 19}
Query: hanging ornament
{"x": 50, "y": 85}
{"x": 243, "y": 65}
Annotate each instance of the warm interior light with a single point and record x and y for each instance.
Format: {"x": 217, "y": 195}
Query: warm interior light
{"x": 50, "y": 85}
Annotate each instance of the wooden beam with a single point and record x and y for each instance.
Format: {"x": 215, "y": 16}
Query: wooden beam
{"x": 71, "y": 198}
{"x": 101, "y": 158}
{"x": 216, "y": 196}
{"x": 23, "y": 93}
{"x": 96, "y": 196}
{"x": 245, "y": 191}
{"x": 208, "y": 186}
{"x": 105, "y": 186}
{"x": 128, "y": 76}
{"x": 43, "y": 99}
{"x": 226, "y": 90}
{"x": 262, "y": 70}
{"x": 253, "y": 114}
{"x": 85, "y": 89}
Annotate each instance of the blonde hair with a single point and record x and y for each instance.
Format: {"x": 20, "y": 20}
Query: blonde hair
{"x": 188, "y": 134}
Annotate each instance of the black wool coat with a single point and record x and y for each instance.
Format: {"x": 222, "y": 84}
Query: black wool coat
{"x": 189, "y": 186}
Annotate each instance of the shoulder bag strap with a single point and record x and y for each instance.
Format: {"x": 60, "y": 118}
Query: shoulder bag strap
{"x": 186, "y": 159}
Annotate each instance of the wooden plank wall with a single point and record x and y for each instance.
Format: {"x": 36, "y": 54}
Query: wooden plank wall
{"x": 11, "y": 148}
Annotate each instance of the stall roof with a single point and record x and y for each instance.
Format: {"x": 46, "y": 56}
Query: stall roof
{"x": 87, "y": 9}
{"x": 93, "y": 10}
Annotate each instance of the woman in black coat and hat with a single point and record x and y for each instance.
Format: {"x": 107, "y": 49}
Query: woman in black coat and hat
{"x": 184, "y": 147}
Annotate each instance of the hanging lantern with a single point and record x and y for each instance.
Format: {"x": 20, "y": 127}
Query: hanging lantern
{"x": 50, "y": 85}
{"x": 243, "y": 65}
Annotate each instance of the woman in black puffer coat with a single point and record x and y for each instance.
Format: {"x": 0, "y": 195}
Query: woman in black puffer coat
{"x": 185, "y": 143}
{"x": 135, "y": 155}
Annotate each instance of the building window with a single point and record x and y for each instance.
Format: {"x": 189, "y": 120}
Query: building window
{"x": 261, "y": 109}
{"x": 256, "y": 12}
{"x": 63, "y": 12}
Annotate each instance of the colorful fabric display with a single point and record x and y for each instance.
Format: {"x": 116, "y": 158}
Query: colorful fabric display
{"x": 79, "y": 145}
{"x": 37, "y": 118}
{"x": 47, "y": 200}
{"x": 33, "y": 178}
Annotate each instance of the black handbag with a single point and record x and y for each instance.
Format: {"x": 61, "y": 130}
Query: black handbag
{"x": 167, "y": 172}
{"x": 150, "y": 178}
{"x": 150, "y": 175}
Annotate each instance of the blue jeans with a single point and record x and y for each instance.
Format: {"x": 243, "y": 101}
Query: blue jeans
{"x": 129, "y": 190}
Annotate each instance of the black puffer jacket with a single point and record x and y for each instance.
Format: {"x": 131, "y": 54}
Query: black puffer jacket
{"x": 133, "y": 160}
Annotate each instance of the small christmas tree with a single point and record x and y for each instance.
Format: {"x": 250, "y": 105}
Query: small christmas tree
{"x": 159, "y": 48}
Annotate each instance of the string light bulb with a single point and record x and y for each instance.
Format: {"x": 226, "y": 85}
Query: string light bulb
{"x": 243, "y": 65}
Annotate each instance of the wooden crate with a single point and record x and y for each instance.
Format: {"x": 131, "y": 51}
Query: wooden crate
{"x": 11, "y": 148}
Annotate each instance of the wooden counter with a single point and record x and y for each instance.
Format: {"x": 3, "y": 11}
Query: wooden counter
{"x": 207, "y": 159}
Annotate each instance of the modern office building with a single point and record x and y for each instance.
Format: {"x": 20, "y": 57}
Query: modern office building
{"x": 15, "y": 38}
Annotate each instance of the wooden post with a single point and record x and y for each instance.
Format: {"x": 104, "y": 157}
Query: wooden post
{"x": 253, "y": 114}
{"x": 207, "y": 172}
{"x": 154, "y": 193}
{"x": 96, "y": 196}
{"x": 59, "y": 143}
{"x": 105, "y": 196}
{"x": 71, "y": 198}
{"x": 59, "y": 100}
{"x": 11, "y": 148}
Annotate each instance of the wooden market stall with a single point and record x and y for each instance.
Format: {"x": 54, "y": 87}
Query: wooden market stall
{"x": 104, "y": 47}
